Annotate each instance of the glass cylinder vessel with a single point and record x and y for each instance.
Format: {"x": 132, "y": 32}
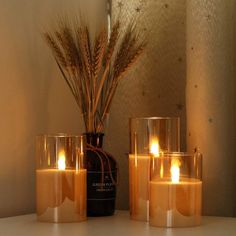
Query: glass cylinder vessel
{"x": 148, "y": 136}
{"x": 60, "y": 178}
{"x": 176, "y": 190}
{"x": 101, "y": 177}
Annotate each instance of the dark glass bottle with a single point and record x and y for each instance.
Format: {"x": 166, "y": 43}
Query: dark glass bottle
{"x": 101, "y": 177}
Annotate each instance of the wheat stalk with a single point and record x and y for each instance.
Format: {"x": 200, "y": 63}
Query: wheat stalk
{"x": 99, "y": 49}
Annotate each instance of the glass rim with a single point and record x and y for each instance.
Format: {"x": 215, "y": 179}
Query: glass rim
{"x": 179, "y": 154}
{"x": 156, "y": 118}
{"x": 59, "y": 135}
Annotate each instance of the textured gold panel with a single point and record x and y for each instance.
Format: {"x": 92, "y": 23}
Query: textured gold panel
{"x": 156, "y": 86}
{"x": 211, "y": 104}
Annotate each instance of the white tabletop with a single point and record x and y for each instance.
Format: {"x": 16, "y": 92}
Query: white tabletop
{"x": 118, "y": 225}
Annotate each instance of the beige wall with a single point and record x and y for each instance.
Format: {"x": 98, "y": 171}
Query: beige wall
{"x": 34, "y": 99}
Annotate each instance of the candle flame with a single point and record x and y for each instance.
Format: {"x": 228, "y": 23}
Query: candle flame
{"x": 175, "y": 170}
{"x": 61, "y": 161}
{"x": 155, "y": 148}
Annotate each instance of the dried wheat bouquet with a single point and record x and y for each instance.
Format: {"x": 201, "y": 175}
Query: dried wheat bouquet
{"x": 93, "y": 67}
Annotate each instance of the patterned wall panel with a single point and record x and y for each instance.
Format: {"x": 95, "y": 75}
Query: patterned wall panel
{"x": 156, "y": 86}
{"x": 211, "y": 105}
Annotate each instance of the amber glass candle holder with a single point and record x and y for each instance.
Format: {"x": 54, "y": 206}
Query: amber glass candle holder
{"x": 60, "y": 178}
{"x": 148, "y": 136}
{"x": 176, "y": 190}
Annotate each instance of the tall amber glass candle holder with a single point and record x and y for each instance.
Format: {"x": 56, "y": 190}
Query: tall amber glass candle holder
{"x": 60, "y": 178}
{"x": 176, "y": 190}
{"x": 148, "y": 136}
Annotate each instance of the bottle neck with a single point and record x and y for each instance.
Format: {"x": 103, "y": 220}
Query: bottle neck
{"x": 95, "y": 139}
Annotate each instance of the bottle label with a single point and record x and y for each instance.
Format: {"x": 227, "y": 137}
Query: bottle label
{"x": 98, "y": 190}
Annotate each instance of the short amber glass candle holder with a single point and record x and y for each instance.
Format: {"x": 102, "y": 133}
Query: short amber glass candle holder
{"x": 60, "y": 178}
{"x": 148, "y": 136}
{"x": 176, "y": 190}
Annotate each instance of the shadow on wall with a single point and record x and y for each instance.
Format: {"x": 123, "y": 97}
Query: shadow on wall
{"x": 156, "y": 87}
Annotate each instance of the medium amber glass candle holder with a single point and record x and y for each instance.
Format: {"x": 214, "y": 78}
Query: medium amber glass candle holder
{"x": 176, "y": 190}
{"x": 148, "y": 136}
{"x": 60, "y": 178}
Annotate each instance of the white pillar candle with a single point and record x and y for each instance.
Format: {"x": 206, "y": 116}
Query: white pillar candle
{"x": 61, "y": 193}
{"x": 176, "y": 190}
{"x": 175, "y": 204}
